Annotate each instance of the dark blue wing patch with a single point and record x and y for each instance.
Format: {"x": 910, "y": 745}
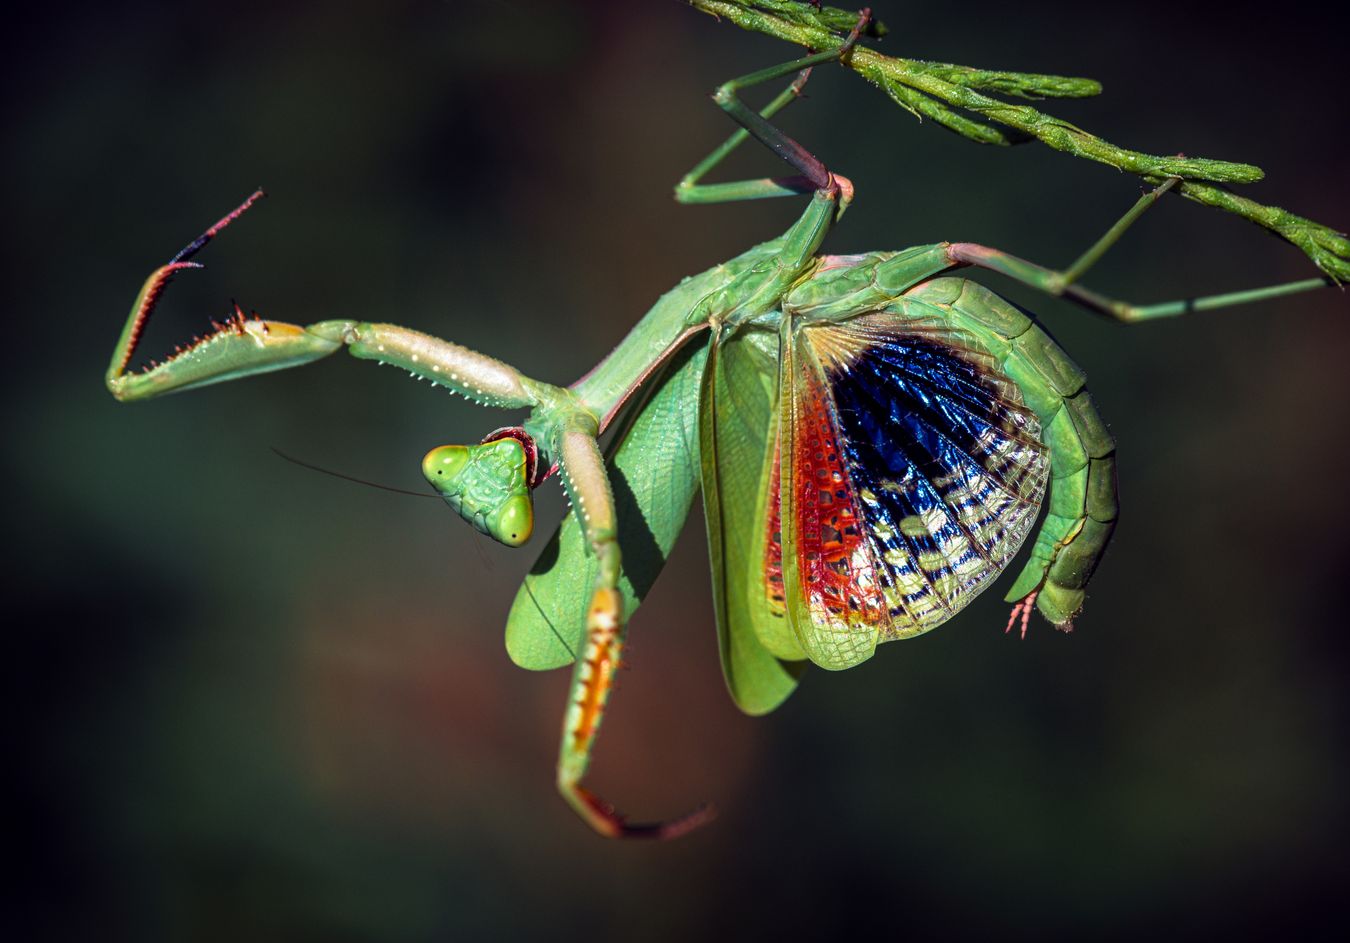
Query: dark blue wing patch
{"x": 946, "y": 463}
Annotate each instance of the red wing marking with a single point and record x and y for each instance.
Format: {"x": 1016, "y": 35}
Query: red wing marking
{"x": 839, "y": 578}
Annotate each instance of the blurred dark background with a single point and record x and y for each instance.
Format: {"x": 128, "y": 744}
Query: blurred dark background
{"x": 252, "y": 702}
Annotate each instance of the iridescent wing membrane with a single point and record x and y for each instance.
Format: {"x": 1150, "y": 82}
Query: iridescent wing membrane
{"x": 913, "y": 474}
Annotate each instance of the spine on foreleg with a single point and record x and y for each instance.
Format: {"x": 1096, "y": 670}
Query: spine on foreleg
{"x": 1082, "y": 506}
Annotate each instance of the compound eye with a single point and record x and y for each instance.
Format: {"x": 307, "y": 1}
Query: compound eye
{"x": 514, "y": 521}
{"x": 443, "y": 465}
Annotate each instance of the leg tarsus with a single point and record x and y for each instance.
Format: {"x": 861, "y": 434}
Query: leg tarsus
{"x": 1112, "y": 235}
{"x": 600, "y": 816}
{"x": 846, "y": 50}
{"x": 1022, "y": 608}
{"x": 593, "y": 680}
{"x": 196, "y": 245}
{"x": 756, "y": 124}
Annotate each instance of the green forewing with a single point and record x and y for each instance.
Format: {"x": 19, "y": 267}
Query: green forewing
{"x": 737, "y": 434}
{"x": 653, "y": 468}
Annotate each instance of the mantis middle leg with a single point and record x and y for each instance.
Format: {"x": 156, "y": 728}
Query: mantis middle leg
{"x": 812, "y": 173}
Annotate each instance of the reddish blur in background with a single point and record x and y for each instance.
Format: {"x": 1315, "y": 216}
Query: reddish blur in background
{"x": 257, "y": 703}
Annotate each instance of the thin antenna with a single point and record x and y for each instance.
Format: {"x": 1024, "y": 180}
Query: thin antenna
{"x": 360, "y": 481}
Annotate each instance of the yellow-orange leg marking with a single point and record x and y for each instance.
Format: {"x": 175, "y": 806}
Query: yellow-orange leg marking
{"x": 598, "y": 663}
{"x": 598, "y": 656}
{"x": 592, "y": 681}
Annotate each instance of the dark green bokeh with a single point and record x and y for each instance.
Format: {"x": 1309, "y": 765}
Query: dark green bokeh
{"x": 257, "y": 703}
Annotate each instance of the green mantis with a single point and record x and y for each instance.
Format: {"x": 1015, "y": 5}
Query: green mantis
{"x": 875, "y": 438}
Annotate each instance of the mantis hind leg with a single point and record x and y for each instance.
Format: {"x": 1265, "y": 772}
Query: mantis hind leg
{"x": 1064, "y": 283}
{"x": 1082, "y": 505}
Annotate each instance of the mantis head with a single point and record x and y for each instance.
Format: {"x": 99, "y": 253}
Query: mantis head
{"x": 489, "y": 484}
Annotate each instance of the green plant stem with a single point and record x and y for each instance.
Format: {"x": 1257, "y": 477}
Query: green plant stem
{"x": 941, "y": 91}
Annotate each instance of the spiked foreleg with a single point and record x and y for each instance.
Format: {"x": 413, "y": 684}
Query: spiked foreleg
{"x": 481, "y": 378}
{"x": 246, "y": 346}
{"x": 601, "y": 648}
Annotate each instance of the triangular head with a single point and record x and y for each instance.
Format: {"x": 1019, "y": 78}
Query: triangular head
{"x": 489, "y": 484}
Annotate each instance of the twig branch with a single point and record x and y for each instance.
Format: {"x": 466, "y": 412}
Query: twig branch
{"x": 942, "y": 92}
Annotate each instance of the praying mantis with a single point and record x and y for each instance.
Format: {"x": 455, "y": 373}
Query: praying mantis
{"x": 875, "y": 438}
